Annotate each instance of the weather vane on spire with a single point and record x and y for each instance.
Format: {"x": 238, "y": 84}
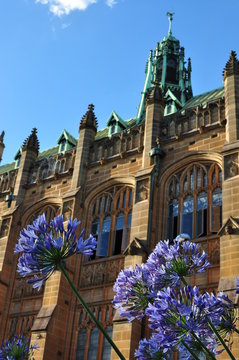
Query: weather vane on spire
{"x": 170, "y": 18}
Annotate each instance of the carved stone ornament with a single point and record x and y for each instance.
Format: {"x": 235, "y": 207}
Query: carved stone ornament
{"x": 5, "y": 227}
{"x": 230, "y": 227}
{"x": 67, "y": 209}
{"x": 142, "y": 190}
{"x": 231, "y": 166}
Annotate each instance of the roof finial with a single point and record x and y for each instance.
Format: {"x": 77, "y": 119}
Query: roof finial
{"x": 170, "y": 19}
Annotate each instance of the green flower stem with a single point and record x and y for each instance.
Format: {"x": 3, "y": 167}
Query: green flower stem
{"x": 207, "y": 352}
{"x": 184, "y": 281}
{"x": 237, "y": 331}
{"x": 189, "y": 350}
{"x": 97, "y": 323}
{"x": 220, "y": 338}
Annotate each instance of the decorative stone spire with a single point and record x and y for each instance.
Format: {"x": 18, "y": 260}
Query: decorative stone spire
{"x": 232, "y": 66}
{"x": 2, "y": 146}
{"x": 166, "y": 66}
{"x": 31, "y": 143}
{"x": 89, "y": 120}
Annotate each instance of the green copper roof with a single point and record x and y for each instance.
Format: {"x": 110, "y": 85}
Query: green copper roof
{"x": 43, "y": 154}
{"x": 204, "y": 99}
{"x": 7, "y": 168}
{"x": 115, "y": 116}
{"x": 47, "y": 153}
{"x": 104, "y": 132}
{"x": 68, "y": 137}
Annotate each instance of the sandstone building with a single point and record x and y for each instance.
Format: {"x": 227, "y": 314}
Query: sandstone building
{"x": 173, "y": 168}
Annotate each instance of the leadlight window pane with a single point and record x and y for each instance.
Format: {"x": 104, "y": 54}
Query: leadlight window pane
{"x": 129, "y": 219}
{"x": 104, "y": 238}
{"x": 201, "y": 215}
{"x": 187, "y": 216}
{"x": 93, "y": 345}
{"x": 100, "y": 206}
{"x": 177, "y": 188}
{"x": 217, "y": 197}
{"x": 130, "y": 197}
{"x": 106, "y": 346}
{"x": 172, "y": 219}
{"x": 198, "y": 178}
{"x": 120, "y": 221}
{"x": 62, "y": 145}
{"x": 188, "y": 205}
{"x": 111, "y": 204}
{"x": 99, "y": 314}
{"x": 106, "y": 204}
{"x": 191, "y": 180}
{"x": 119, "y": 233}
{"x": 214, "y": 177}
{"x": 216, "y": 210}
{"x": 205, "y": 180}
{"x": 171, "y": 188}
{"x": 80, "y": 348}
{"x": 202, "y": 201}
{"x": 124, "y": 200}
{"x": 95, "y": 228}
{"x": 118, "y": 203}
{"x": 112, "y": 129}
{"x": 220, "y": 176}
{"x": 185, "y": 185}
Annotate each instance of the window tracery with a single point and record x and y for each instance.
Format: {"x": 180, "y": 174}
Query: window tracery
{"x": 111, "y": 221}
{"x": 90, "y": 342}
{"x": 195, "y": 201}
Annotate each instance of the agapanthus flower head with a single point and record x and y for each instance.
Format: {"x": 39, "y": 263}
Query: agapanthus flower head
{"x": 132, "y": 292}
{"x": 44, "y": 246}
{"x": 17, "y": 348}
{"x": 158, "y": 347}
{"x": 169, "y": 263}
{"x": 186, "y": 312}
{"x": 221, "y": 312}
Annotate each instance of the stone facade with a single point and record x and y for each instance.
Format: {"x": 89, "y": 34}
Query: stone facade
{"x": 157, "y": 175}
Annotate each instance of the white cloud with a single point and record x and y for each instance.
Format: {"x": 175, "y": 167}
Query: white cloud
{"x": 64, "y": 7}
{"x": 65, "y": 26}
{"x": 111, "y": 3}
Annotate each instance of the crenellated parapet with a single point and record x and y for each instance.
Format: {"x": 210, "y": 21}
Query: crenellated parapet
{"x": 118, "y": 146}
{"x": 200, "y": 118}
{"x": 53, "y": 167}
{"x": 7, "y": 181}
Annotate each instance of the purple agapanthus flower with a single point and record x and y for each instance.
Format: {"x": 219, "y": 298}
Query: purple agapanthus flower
{"x": 132, "y": 292}
{"x": 170, "y": 263}
{"x": 158, "y": 347}
{"x": 184, "y": 313}
{"x": 44, "y": 246}
{"x": 17, "y": 348}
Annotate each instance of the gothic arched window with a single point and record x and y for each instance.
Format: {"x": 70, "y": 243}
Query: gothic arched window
{"x": 90, "y": 342}
{"x": 195, "y": 201}
{"x": 111, "y": 220}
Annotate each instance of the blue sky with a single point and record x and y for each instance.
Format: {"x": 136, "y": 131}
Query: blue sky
{"x": 58, "y": 56}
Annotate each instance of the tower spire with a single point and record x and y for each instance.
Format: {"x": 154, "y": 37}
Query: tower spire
{"x": 170, "y": 19}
